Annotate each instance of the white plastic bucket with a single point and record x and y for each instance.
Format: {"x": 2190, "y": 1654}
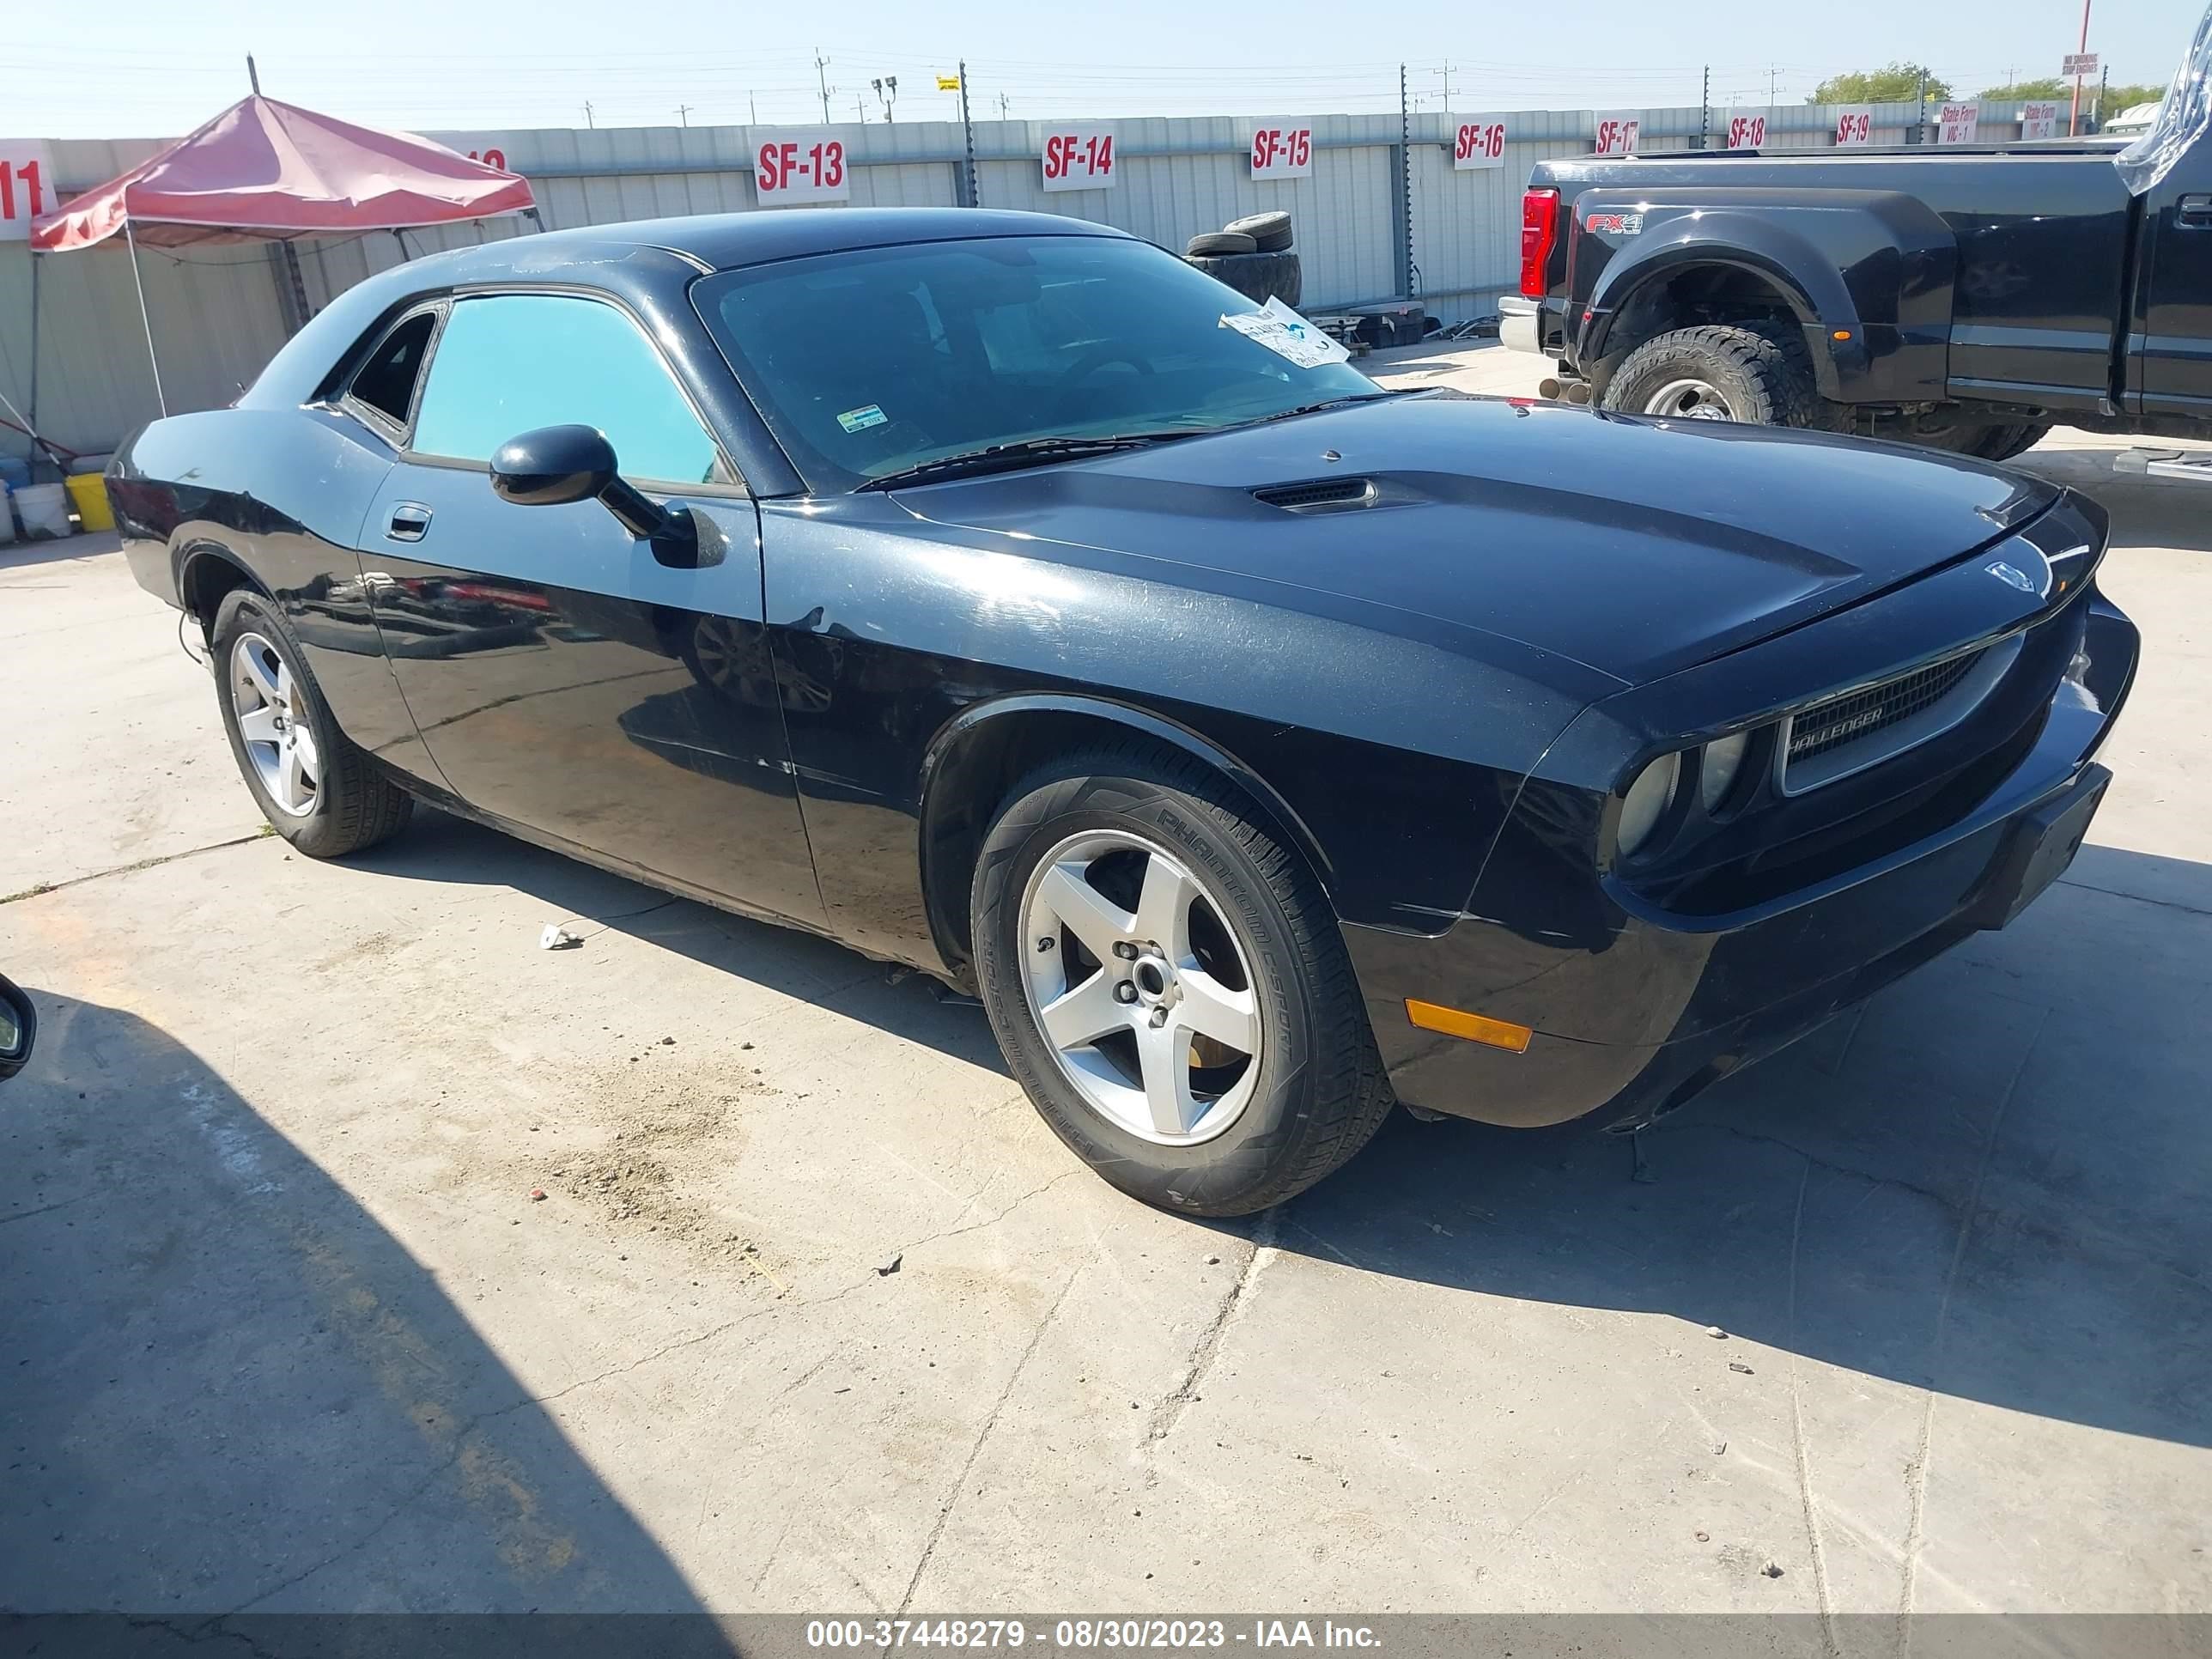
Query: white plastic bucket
{"x": 45, "y": 511}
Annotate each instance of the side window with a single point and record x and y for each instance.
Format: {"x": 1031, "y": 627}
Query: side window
{"x": 510, "y": 362}
{"x": 387, "y": 382}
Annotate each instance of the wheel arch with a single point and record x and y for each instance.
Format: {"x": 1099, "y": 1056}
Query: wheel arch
{"x": 1688, "y": 284}
{"x": 983, "y": 751}
{"x": 206, "y": 572}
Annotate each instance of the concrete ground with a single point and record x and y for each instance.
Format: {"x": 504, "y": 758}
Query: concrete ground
{"x": 281, "y": 1327}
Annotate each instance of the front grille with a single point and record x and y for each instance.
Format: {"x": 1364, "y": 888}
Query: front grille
{"x": 1855, "y": 715}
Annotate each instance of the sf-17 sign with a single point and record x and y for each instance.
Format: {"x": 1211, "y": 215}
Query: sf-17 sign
{"x": 1616, "y": 134}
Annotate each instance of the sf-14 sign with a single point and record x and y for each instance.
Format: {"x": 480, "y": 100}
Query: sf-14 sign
{"x": 1079, "y": 158}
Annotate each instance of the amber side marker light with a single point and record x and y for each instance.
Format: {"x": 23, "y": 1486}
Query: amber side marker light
{"x": 1475, "y": 1028}
{"x": 1843, "y": 334}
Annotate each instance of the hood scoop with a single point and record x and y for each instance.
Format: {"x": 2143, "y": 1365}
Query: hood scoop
{"x": 1321, "y": 495}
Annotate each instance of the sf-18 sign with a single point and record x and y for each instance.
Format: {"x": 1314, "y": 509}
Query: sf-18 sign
{"x": 1747, "y": 128}
{"x": 1079, "y": 158}
{"x": 1958, "y": 123}
{"x": 1477, "y": 143}
{"x": 1854, "y": 127}
{"x": 808, "y": 164}
{"x": 27, "y": 190}
{"x": 1616, "y": 134}
{"x": 2038, "y": 120}
{"x": 1282, "y": 151}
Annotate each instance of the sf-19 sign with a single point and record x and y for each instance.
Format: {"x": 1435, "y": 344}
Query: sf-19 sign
{"x": 808, "y": 166}
{"x": 1079, "y": 158}
{"x": 1854, "y": 127}
{"x": 1282, "y": 152}
{"x": 1479, "y": 143}
{"x": 1616, "y": 135}
{"x": 1747, "y": 128}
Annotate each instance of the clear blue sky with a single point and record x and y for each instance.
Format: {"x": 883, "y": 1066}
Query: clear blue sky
{"x": 156, "y": 67}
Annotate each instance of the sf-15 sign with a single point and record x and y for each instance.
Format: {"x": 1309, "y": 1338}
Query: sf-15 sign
{"x": 1079, "y": 158}
{"x": 1282, "y": 150}
{"x": 807, "y": 165}
{"x": 1478, "y": 142}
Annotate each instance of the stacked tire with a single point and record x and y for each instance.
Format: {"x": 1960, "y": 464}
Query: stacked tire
{"x": 1253, "y": 255}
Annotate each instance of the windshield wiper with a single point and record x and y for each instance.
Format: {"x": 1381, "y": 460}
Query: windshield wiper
{"x": 1026, "y": 452}
{"x": 1326, "y": 403}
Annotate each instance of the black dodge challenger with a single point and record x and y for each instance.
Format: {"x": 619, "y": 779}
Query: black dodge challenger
{"x": 997, "y": 594}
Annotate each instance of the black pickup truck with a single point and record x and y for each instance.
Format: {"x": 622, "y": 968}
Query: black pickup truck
{"x": 1969, "y": 298}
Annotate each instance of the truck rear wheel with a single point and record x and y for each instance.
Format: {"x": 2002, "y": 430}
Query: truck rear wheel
{"x": 1721, "y": 372}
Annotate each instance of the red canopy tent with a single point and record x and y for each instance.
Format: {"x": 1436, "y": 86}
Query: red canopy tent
{"x": 264, "y": 171}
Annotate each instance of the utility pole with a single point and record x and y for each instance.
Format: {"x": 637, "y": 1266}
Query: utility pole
{"x": 1005, "y": 104}
{"x": 1920, "y": 111}
{"x": 2074, "y": 121}
{"x": 968, "y": 134}
{"x": 587, "y": 114}
{"x": 683, "y": 113}
{"x": 253, "y": 75}
{"x": 752, "y": 109}
{"x": 2097, "y": 109}
{"x": 822, "y": 79}
{"x": 860, "y": 107}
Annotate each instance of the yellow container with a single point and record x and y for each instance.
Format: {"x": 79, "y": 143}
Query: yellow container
{"x": 88, "y": 491}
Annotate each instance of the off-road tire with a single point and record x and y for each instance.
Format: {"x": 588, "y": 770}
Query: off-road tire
{"x": 1763, "y": 374}
{"x": 1220, "y": 241}
{"x": 1257, "y": 277}
{"x": 1322, "y": 1092}
{"x": 356, "y": 805}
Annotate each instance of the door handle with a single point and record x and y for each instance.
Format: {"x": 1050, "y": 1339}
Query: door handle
{"x": 2194, "y": 213}
{"x": 409, "y": 520}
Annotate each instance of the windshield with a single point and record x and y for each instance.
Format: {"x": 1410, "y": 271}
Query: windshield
{"x": 870, "y": 362}
{"x": 2182, "y": 119}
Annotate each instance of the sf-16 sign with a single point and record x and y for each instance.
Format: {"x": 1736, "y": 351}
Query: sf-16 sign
{"x": 1282, "y": 150}
{"x": 806, "y": 164}
{"x": 1078, "y": 157}
{"x": 1478, "y": 141}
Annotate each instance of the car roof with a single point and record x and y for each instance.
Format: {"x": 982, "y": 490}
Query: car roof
{"x": 724, "y": 242}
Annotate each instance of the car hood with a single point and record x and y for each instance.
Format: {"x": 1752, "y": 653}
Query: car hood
{"x": 1635, "y": 546}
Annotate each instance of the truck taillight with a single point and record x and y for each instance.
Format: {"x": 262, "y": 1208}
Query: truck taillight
{"x": 1540, "y": 229}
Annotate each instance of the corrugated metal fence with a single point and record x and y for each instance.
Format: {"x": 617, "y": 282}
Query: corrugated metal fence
{"x": 72, "y": 351}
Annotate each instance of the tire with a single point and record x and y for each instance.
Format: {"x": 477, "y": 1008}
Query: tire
{"x": 2001, "y": 443}
{"x": 1220, "y": 241}
{"x": 1257, "y": 277}
{"x": 1302, "y": 1102}
{"x": 1758, "y": 376}
{"x": 1271, "y": 231}
{"x": 1949, "y": 430}
{"x": 351, "y": 804}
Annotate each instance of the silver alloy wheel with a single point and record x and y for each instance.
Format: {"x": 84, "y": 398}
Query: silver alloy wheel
{"x": 1150, "y": 1009}
{"x": 278, "y": 739}
{"x": 1689, "y": 399}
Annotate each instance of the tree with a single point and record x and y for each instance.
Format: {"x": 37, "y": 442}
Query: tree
{"x": 2051, "y": 87}
{"x": 1893, "y": 83}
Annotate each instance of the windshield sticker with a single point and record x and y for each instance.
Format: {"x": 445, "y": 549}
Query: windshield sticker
{"x": 860, "y": 419}
{"x": 1286, "y": 334}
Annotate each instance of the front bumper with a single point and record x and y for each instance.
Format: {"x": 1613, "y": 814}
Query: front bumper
{"x": 1634, "y": 1012}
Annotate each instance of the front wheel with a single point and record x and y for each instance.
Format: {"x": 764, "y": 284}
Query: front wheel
{"x": 1169, "y": 987}
{"x": 1721, "y": 372}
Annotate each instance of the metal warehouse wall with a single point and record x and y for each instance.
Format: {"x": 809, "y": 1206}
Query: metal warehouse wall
{"x": 218, "y": 314}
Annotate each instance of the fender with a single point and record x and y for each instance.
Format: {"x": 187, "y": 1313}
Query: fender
{"x": 1276, "y": 813}
{"x": 1878, "y": 266}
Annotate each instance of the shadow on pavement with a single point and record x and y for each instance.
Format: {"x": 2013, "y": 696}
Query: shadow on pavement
{"x": 229, "y": 1389}
{"x": 1988, "y": 1181}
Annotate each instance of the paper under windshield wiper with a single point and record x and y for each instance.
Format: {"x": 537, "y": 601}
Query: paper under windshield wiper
{"x": 993, "y": 457}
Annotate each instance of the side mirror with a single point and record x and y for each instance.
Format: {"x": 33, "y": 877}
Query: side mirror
{"x": 19, "y": 1026}
{"x": 554, "y": 465}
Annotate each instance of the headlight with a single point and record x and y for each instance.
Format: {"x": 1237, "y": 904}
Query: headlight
{"x": 1646, "y": 802}
{"x": 1723, "y": 760}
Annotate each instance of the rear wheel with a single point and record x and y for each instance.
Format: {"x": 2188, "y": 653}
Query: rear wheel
{"x": 316, "y": 789}
{"x": 1760, "y": 375}
{"x": 1169, "y": 987}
